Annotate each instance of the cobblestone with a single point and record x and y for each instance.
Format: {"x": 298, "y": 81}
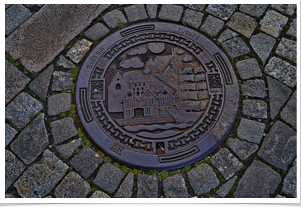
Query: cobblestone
{"x": 79, "y": 50}
{"x": 40, "y": 85}
{"x": 285, "y": 8}
{"x": 66, "y": 150}
{"x": 113, "y": 18}
{"x": 170, "y": 12}
{"x": 278, "y": 93}
{"x": 255, "y": 108}
{"x": 13, "y": 168}
{"x": 61, "y": 81}
{"x": 40, "y": 178}
{"x": 293, "y": 29}
{"x": 279, "y": 146}
{"x": 262, "y": 45}
{"x": 15, "y": 81}
{"x": 152, "y": 10}
{"x": 10, "y": 133}
{"x": 202, "y": 179}
{"x": 254, "y": 88}
{"x": 192, "y": 18}
{"x": 175, "y": 187}
{"x": 147, "y": 186}
{"x": 97, "y": 31}
{"x": 250, "y": 130}
{"x": 59, "y": 103}
{"x": 72, "y": 186}
{"x": 86, "y": 162}
{"x": 226, "y": 163}
{"x": 99, "y": 194}
{"x": 135, "y": 12}
{"x": 257, "y": 182}
{"x": 255, "y": 10}
{"x": 65, "y": 63}
{"x": 63, "y": 130}
{"x": 290, "y": 182}
{"x": 196, "y": 7}
{"x": 241, "y": 148}
{"x": 273, "y": 23}
{"x": 225, "y": 189}
{"x": 32, "y": 141}
{"x": 282, "y": 71}
{"x": 222, "y": 11}
{"x": 226, "y": 35}
{"x": 235, "y": 47}
{"x": 287, "y": 49}
{"x": 248, "y": 68}
{"x": 242, "y": 23}
{"x": 289, "y": 113}
{"x": 212, "y": 25}
{"x": 125, "y": 189}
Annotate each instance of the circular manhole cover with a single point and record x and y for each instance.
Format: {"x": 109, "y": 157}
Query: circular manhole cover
{"x": 157, "y": 96}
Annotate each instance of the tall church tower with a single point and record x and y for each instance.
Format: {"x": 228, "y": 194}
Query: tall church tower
{"x": 116, "y": 90}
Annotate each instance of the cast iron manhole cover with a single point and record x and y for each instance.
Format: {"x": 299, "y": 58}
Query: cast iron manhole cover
{"x": 157, "y": 96}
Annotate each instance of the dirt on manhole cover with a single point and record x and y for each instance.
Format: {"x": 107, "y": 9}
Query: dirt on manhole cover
{"x": 157, "y": 96}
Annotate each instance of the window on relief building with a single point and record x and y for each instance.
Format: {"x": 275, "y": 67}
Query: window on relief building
{"x": 147, "y": 111}
{"x": 133, "y": 102}
{"x": 127, "y": 112}
{"x": 151, "y": 101}
{"x": 126, "y": 103}
{"x": 144, "y": 102}
{"x": 162, "y": 101}
{"x": 168, "y": 101}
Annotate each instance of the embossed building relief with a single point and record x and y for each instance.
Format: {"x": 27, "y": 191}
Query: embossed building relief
{"x": 157, "y": 96}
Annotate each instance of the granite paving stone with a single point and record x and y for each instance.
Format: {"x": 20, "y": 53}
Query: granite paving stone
{"x": 196, "y": 7}
{"x": 99, "y": 194}
{"x": 279, "y": 196}
{"x": 226, "y": 163}
{"x": 226, "y": 35}
{"x": 65, "y": 63}
{"x": 248, "y": 68}
{"x": 254, "y": 88}
{"x": 44, "y": 35}
{"x": 32, "y": 141}
{"x": 175, "y": 187}
{"x": 170, "y": 12}
{"x": 113, "y": 18}
{"x": 63, "y": 130}
{"x": 135, "y": 13}
{"x": 279, "y": 146}
{"x": 202, "y": 179}
{"x": 40, "y": 178}
{"x": 290, "y": 182}
{"x": 15, "y": 15}
{"x": 61, "y": 81}
{"x": 15, "y": 81}
{"x": 147, "y": 186}
{"x": 273, "y": 23}
{"x": 10, "y": 133}
{"x": 289, "y": 113}
{"x": 13, "y": 168}
{"x": 212, "y": 25}
{"x": 40, "y": 85}
{"x": 125, "y": 189}
{"x": 278, "y": 93}
{"x": 9, "y": 196}
{"x": 225, "y": 189}
{"x": 97, "y": 31}
{"x": 66, "y": 150}
{"x": 192, "y": 18}
{"x": 285, "y": 8}
{"x": 241, "y": 148}
{"x": 292, "y": 31}
{"x": 86, "y": 162}
{"x": 255, "y": 10}
{"x": 282, "y": 71}
{"x": 262, "y": 44}
{"x": 242, "y": 23}
{"x": 258, "y": 181}
{"x": 22, "y": 109}
{"x": 250, "y": 130}
{"x": 255, "y": 108}
{"x": 222, "y": 11}
{"x": 72, "y": 186}
{"x": 109, "y": 177}
{"x": 59, "y": 103}
{"x": 152, "y": 10}
{"x": 235, "y": 47}
{"x": 79, "y": 50}
{"x": 287, "y": 49}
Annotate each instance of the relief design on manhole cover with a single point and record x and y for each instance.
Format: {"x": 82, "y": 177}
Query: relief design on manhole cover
{"x": 157, "y": 96}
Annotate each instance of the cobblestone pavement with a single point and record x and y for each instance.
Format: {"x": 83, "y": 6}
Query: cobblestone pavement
{"x": 48, "y": 155}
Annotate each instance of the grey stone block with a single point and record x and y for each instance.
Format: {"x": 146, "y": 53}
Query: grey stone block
{"x": 63, "y": 130}
{"x": 170, "y": 12}
{"x": 97, "y": 31}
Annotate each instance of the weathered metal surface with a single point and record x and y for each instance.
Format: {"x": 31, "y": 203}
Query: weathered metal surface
{"x": 132, "y": 100}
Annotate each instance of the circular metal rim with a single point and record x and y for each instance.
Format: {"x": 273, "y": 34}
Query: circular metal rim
{"x": 214, "y": 135}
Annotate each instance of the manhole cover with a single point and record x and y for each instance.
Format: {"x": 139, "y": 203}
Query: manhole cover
{"x": 157, "y": 96}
